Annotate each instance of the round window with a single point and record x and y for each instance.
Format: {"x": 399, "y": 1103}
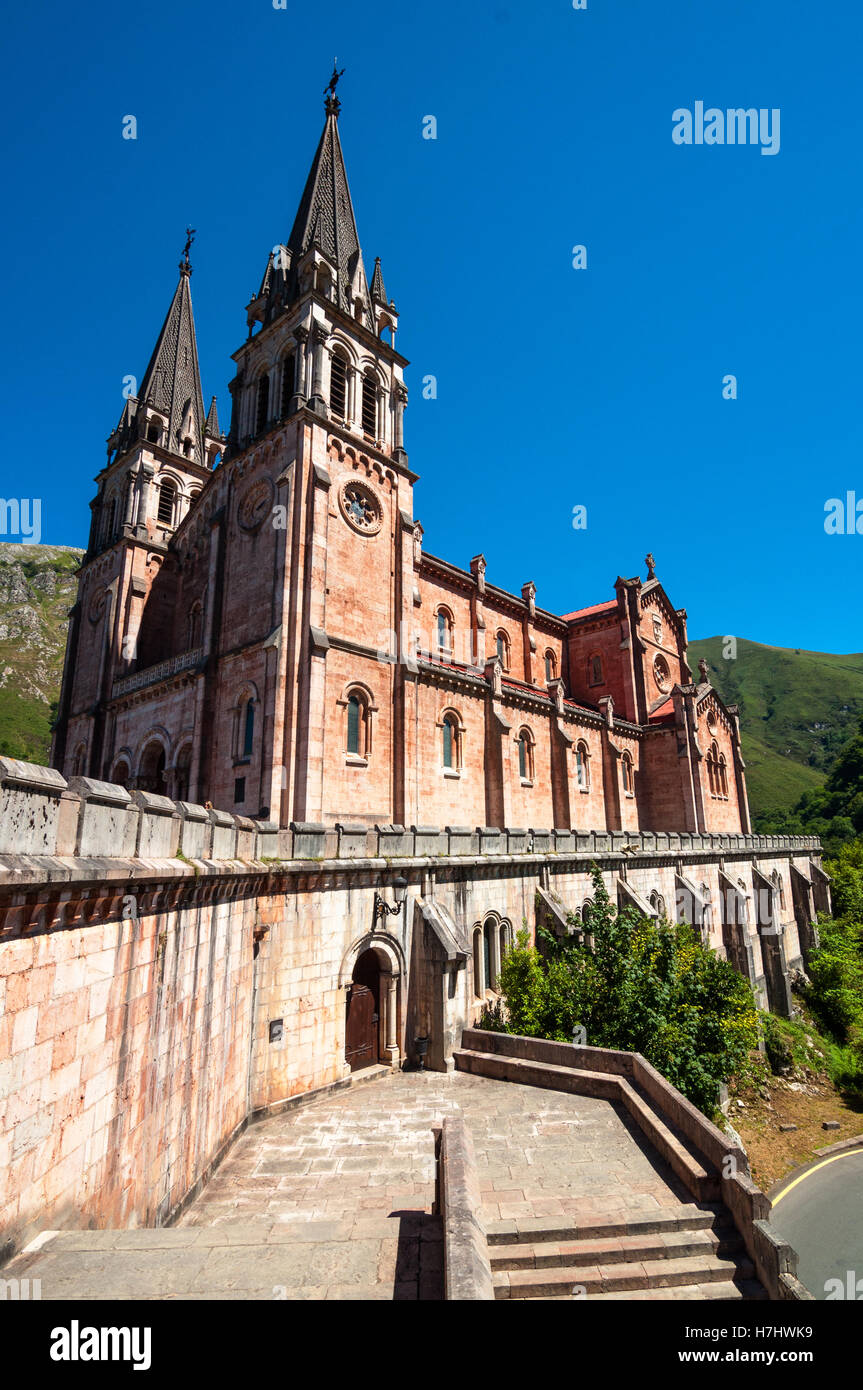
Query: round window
{"x": 360, "y": 507}
{"x": 661, "y": 673}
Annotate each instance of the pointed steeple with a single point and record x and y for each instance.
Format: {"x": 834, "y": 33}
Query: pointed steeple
{"x": 378, "y": 291}
{"x": 326, "y": 213}
{"x": 172, "y": 382}
{"x": 212, "y": 424}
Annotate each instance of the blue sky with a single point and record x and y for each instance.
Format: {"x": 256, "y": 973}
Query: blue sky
{"x": 556, "y": 387}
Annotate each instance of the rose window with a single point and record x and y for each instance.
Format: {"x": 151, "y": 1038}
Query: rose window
{"x": 361, "y": 508}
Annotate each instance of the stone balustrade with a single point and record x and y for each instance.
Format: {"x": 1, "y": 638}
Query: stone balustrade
{"x": 41, "y": 814}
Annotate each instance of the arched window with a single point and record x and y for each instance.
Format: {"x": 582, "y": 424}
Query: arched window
{"x": 504, "y": 935}
{"x": 370, "y": 404}
{"x": 289, "y": 368}
{"x": 525, "y": 755}
{"x": 248, "y": 727}
{"x": 154, "y": 432}
{"x": 657, "y": 902}
{"x": 338, "y": 384}
{"x": 582, "y": 767}
{"x": 451, "y": 739}
{"x": 488, "y": 955}
{"x": 444, "y": 630}
{"x": 594, "y": 669}
{"x": 628, "y": 778}
{"x": 263, "y": 404}
{"x": 110, "y": 520}
{"x": 502, "y": 647}
{"x": 478, "y": 953}
{"x": 166, "y": 503}
{"x": 723, "y": 778}
{"x": 121, "y": 773}
{"x": 358, "y": 711}
{"x": 550, "y": 666}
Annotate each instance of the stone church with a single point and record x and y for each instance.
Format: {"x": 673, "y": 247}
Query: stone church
{"x": 260, "y": 626}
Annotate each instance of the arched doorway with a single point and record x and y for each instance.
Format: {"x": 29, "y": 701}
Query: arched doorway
{"x": 362, "y": 1026}
{"x": 151, "y": 774}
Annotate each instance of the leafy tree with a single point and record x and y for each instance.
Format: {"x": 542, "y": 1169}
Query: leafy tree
{"x": 644, "y": 986}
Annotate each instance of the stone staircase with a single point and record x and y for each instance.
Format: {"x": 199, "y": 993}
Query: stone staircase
{"x": 685, "y": 1252}
{"x": 684, "y": 1249}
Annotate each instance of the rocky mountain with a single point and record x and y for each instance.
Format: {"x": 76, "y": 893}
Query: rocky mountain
{"x": 37, "y": 589}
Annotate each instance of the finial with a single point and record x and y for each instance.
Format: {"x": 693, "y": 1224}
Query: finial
{"x": 333, "y": 105}
{"x": 704, "y": 671}
{"x": 185, "y": 263}
{"x": 651, "y": 566}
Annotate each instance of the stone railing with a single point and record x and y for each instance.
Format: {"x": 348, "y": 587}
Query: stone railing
{"x": 43, "y": 814}
{"x": 151, "y": 674}
{"x": 467, "y": 1266}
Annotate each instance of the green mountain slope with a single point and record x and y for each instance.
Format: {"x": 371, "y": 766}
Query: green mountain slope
{"x": 798, "y": 710}
{"x": 37, "y": 589}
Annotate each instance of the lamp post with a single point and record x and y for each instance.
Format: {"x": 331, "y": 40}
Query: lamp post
{"x": 384, "y": 909}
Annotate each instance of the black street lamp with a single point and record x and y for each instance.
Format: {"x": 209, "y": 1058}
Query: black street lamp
{"x": 383, "y": 909}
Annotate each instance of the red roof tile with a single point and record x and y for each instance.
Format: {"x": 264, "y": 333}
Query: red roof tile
{"x": 595, "y": 608}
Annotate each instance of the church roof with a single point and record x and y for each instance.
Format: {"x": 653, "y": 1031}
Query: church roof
{"x": 172, "y": 381}
{"x": 326, "y": 213}
{"x": 589, "y": 612}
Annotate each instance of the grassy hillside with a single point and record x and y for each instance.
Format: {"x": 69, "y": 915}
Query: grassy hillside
{"x": 37, "y": 589}
{"x": 798, "y": 709}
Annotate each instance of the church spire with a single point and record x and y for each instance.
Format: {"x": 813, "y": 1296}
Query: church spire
{"x": 326, "y": 214}
{"x": 172, "y": 381}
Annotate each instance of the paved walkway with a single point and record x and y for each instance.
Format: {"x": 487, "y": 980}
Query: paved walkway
{"x": 333, "y": 1200}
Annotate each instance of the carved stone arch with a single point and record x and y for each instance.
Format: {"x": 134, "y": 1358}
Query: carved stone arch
{"x": 337, "y": 340}
{"x": 357, "y": 687}
{"x": 335, "y": 448}
{"x": 384, "y": 944}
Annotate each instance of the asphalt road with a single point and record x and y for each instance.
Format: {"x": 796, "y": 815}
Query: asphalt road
{"x": 820, "y": 1213}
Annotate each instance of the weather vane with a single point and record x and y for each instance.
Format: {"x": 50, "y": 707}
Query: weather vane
{"x": 330, "y": 89}
{"x": 190, "y": 237}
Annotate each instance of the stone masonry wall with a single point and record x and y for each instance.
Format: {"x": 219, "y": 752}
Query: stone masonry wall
{"x": 167, "y": 970}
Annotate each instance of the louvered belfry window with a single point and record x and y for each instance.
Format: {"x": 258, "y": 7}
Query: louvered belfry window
{"x": 288, "y": 372}
{"x": 338, "y": 385}
{"x": 165, "y": 512}
{"x": 370, "y": 405}
{"x": 263, "y": 404}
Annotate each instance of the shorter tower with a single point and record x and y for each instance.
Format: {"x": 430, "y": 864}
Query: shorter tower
{"x": 160, "y": 456}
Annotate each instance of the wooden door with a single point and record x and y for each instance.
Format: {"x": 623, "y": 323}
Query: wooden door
{"x": 361, "y": 1031}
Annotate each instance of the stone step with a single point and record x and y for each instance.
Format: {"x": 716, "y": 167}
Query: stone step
{"x": 634, "y": 1249}
{"x": 727, "y": 1291}
{"x": 619, "y": 1278}
{"x": 686, "y": 1217}
{"x": 702, "y": 1182}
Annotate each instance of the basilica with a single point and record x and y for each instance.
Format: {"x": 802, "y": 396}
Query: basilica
{"x": 260, "y": 626}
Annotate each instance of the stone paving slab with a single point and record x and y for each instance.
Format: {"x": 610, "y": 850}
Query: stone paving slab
{"x": 333, "y": 1200}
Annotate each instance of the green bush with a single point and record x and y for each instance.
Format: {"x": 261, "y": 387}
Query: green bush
{"x": 646, "y": 986}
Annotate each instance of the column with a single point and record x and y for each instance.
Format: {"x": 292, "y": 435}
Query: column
{"x": 392, "y": 1019}
{"x": 319, "y": 338}
{"x": 400, "y": 396}
{"x": 301, "y": 335}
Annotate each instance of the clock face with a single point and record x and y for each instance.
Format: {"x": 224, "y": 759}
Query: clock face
{"x": 361, "y": 508}
{"x": 256, "y": 504}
